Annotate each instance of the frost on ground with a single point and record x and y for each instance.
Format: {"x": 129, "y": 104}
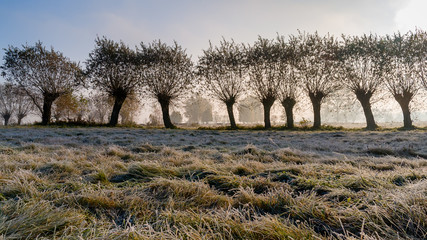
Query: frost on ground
{"x": 397, "y": 142}
{"x": 122, "y": 183}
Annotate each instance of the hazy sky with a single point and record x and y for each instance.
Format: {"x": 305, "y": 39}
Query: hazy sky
{"x": 71, "y": 26}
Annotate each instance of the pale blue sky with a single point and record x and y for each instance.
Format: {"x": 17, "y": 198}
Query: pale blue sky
{"x": 71, "y": 26}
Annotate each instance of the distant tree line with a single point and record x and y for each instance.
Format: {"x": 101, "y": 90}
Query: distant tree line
{"x": 282, "y": 69}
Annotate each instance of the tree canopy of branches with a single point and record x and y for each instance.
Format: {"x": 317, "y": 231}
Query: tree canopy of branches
{"x": 401, "y": 76}
{"x": 113, "y": 68}
{"x": 7, "y": 102}
{"x": 318, "y": 66}
{"x": 168, "y": 74}
{"x": 43, "y": 74}
{"x": 289, "y": 90}
{"x": 362, "y": 64}
{"x": 222, "y": 69}
{"x": 264, "y": 67}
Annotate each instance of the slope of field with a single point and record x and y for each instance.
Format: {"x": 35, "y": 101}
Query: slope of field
{"x": 123, "y": 183}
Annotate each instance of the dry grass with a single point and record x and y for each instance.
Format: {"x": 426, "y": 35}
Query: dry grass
{"x": 148, "y": 191}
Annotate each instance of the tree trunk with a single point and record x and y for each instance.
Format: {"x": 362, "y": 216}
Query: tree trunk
{"x": 231, "y": 115}
{"x": 404, "y": 100}
{"x": 47, "y": 108}
{"x": 6, "y": 118}
{"x": 364, "y": 99}
{"x": 289, "y": 103}
{"x": 164, "y": 103}
{"x": 267, "y": 103}
{"x": 316, "y": 100}
{"x": 20, "y": 117}
{"x": 118, "y": 103}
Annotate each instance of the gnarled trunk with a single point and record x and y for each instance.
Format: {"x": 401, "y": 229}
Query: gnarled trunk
{"x": 47, "y": 107}
{"x": 404, "y": 100}
{"x": 289, "y": 103}
{"x": 230, "y": 104}
{"x": 164, "y": 104}
{"x": 6, "y": 118}
{"x": 364, "y": 98}
{"x": 118, "y": 103}
{"x": 20, "y": 117}
{"x": 267, "y": 104}
{"x": 316, "y": 100}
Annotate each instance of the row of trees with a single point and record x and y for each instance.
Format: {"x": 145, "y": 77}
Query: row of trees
{"x": 280, "y": 69}
{"x": 283, "y": 69}
{"x": 162, "y": 71}
{"x": 94, "y": 107}
{"x": 14, "y": 101}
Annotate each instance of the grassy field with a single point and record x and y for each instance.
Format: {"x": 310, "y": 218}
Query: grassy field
{"x": 124, "y": 183}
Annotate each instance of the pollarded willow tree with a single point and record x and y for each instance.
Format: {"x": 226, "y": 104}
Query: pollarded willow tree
{"x": 264, "y": 66}
{"x": 223, "y": 71}
{"x": 289, "y": 90}
{"x": 24, "y": 105}
{"x": 401, "y": 75}
{"x": 44, "y": 74}
{"x": 7, "y": 102}
{"x": 362, "y": 70}
{"x": 168, "y": 74}
{"x": 318, "y": 65}
{"x": 113, "y": 68}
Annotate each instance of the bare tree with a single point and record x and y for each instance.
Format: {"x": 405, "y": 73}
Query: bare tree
{"x": 44, "y": 74}
{"x": 198, "y": 110}
{"x": 7, "y": 102}
{"x": 99, "y": 106}
{"x": 263, "y": 61}
{"x": 250, "y": 110}
{"x": 402, "y": 78}
{"x": 362, "y": 70}
{"x": 168, "y": 74}
{"x": 318, "y": 66}
{"x": 24, "y": 104}
{"x": 289, "y": 90}
{"x": 222, "y": 68}
{"x": 113, "y": 68}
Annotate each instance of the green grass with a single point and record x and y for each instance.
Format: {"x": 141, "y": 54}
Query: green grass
{"x": 158, "y": 192}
